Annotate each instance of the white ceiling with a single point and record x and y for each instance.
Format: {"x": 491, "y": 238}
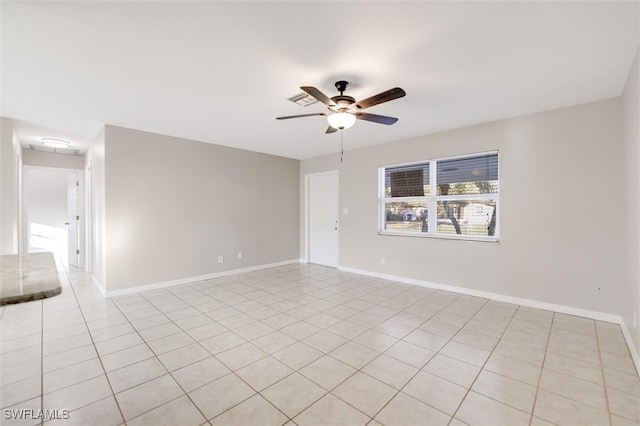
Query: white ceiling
{"x": 220, "y": 72}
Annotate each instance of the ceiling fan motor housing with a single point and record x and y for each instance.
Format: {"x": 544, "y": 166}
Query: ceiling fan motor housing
{"x": 343, "y": 101}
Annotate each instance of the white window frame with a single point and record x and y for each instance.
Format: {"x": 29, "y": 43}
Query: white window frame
{"x": 432, "y": 201}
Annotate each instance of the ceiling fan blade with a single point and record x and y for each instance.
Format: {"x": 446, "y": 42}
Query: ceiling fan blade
{"x": 301, "y": 115}
{"x": 387, "y": 96}
{"x": 381, "y": 119}
{"x": 319, "y": 95}
{"x": 331, "y": 130}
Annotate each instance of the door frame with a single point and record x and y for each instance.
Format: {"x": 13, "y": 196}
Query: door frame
{"x": 81, "y": 203}
{"x": 88, "y": 203}
{"x": 307, "y": 212}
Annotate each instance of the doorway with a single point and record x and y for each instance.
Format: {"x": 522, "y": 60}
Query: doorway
{"x": 52, "y": 200}
{"x": 322, "y": 218}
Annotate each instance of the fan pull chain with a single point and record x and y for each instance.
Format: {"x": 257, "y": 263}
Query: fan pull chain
{"x": 341, "y": 145}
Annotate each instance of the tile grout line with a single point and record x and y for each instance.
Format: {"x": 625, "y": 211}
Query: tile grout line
{"x": 94, "y": 348}
{"x": 426, "y": 362}
{"x": 352, "y": 340}
{"x": 544, "y": 359}
{"x": 565, "y": 396}
{"x": 156, "y": 357}
{"x": 294, "y": 371}
{"x": 207, "y": 351}
{"x": 296, "y": 341}
{"x": 97, "y": 357}
{"x": 384, "y": 352}
{"x": 453, "y": 416}
{"x": 249, "y": 292}
{"x": 299, "y": 320}
{"x": 604, "y": 379}
{"x": 417, "y": 327}
{"x": 483, "y": 365}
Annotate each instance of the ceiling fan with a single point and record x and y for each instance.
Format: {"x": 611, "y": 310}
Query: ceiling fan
{"x": 344, "y": 110}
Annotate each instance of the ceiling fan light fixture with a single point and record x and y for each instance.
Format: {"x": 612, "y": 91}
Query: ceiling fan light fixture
{"x": 343, "y": 111}
{"x": 55, "y": 143}
{"x": 341, "y": 120}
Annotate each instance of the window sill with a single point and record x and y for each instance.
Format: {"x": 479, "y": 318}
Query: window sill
{"x": 442, "y": 236}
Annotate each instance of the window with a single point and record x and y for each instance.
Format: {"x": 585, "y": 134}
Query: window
{"x": 450, "y": 197}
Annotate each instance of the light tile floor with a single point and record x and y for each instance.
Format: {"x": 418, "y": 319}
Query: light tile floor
{"x": 308, "y": 345}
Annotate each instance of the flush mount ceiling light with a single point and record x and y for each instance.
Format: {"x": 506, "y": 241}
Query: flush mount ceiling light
{"x": 55, "y": 143}
{"x": 341, "y": 120}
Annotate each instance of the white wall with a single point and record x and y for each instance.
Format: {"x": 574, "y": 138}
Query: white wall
{"x": 70, "y": 162}
{"x": 174, "y": 205}
{"x": 631, "y": 136}
{"x": 10, "y": 166}
{"x": 95, "y": 160}
{"x": 561, "y": 209}
{"x": 45, "y": 196}
{"x": 52, "y": 159}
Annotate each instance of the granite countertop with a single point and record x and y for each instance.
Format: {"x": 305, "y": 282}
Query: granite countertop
{"x": 26, "y": 277}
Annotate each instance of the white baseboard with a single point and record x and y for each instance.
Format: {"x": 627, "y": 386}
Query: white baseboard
{"x": 569, "y": 310}
{"x": 563, "y": 309}
{"x": 600, "y": 316}
{"x": 632, "y": 347}
{"x": 189, "y": 280}
{"x": 99, "y": 285}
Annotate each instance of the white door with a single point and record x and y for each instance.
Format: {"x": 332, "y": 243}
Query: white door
{"x": 323, "y": 219}
{"x": 72, "y": 216}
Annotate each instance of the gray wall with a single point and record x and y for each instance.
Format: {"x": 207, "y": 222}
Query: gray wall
{"x": 561, "y": 209}
{"x": 10, "y": 169}
{"x": 174, "y": 205}
{"x": 631, "y": 134}
{"x": 52, "y": 159}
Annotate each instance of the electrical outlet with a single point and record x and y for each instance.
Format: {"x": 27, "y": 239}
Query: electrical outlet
{"x": 220, "y": 259}
{"x": 383, "y": 261}
{"x": 345, "y": 211}
{"x": 239, "y": 255}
